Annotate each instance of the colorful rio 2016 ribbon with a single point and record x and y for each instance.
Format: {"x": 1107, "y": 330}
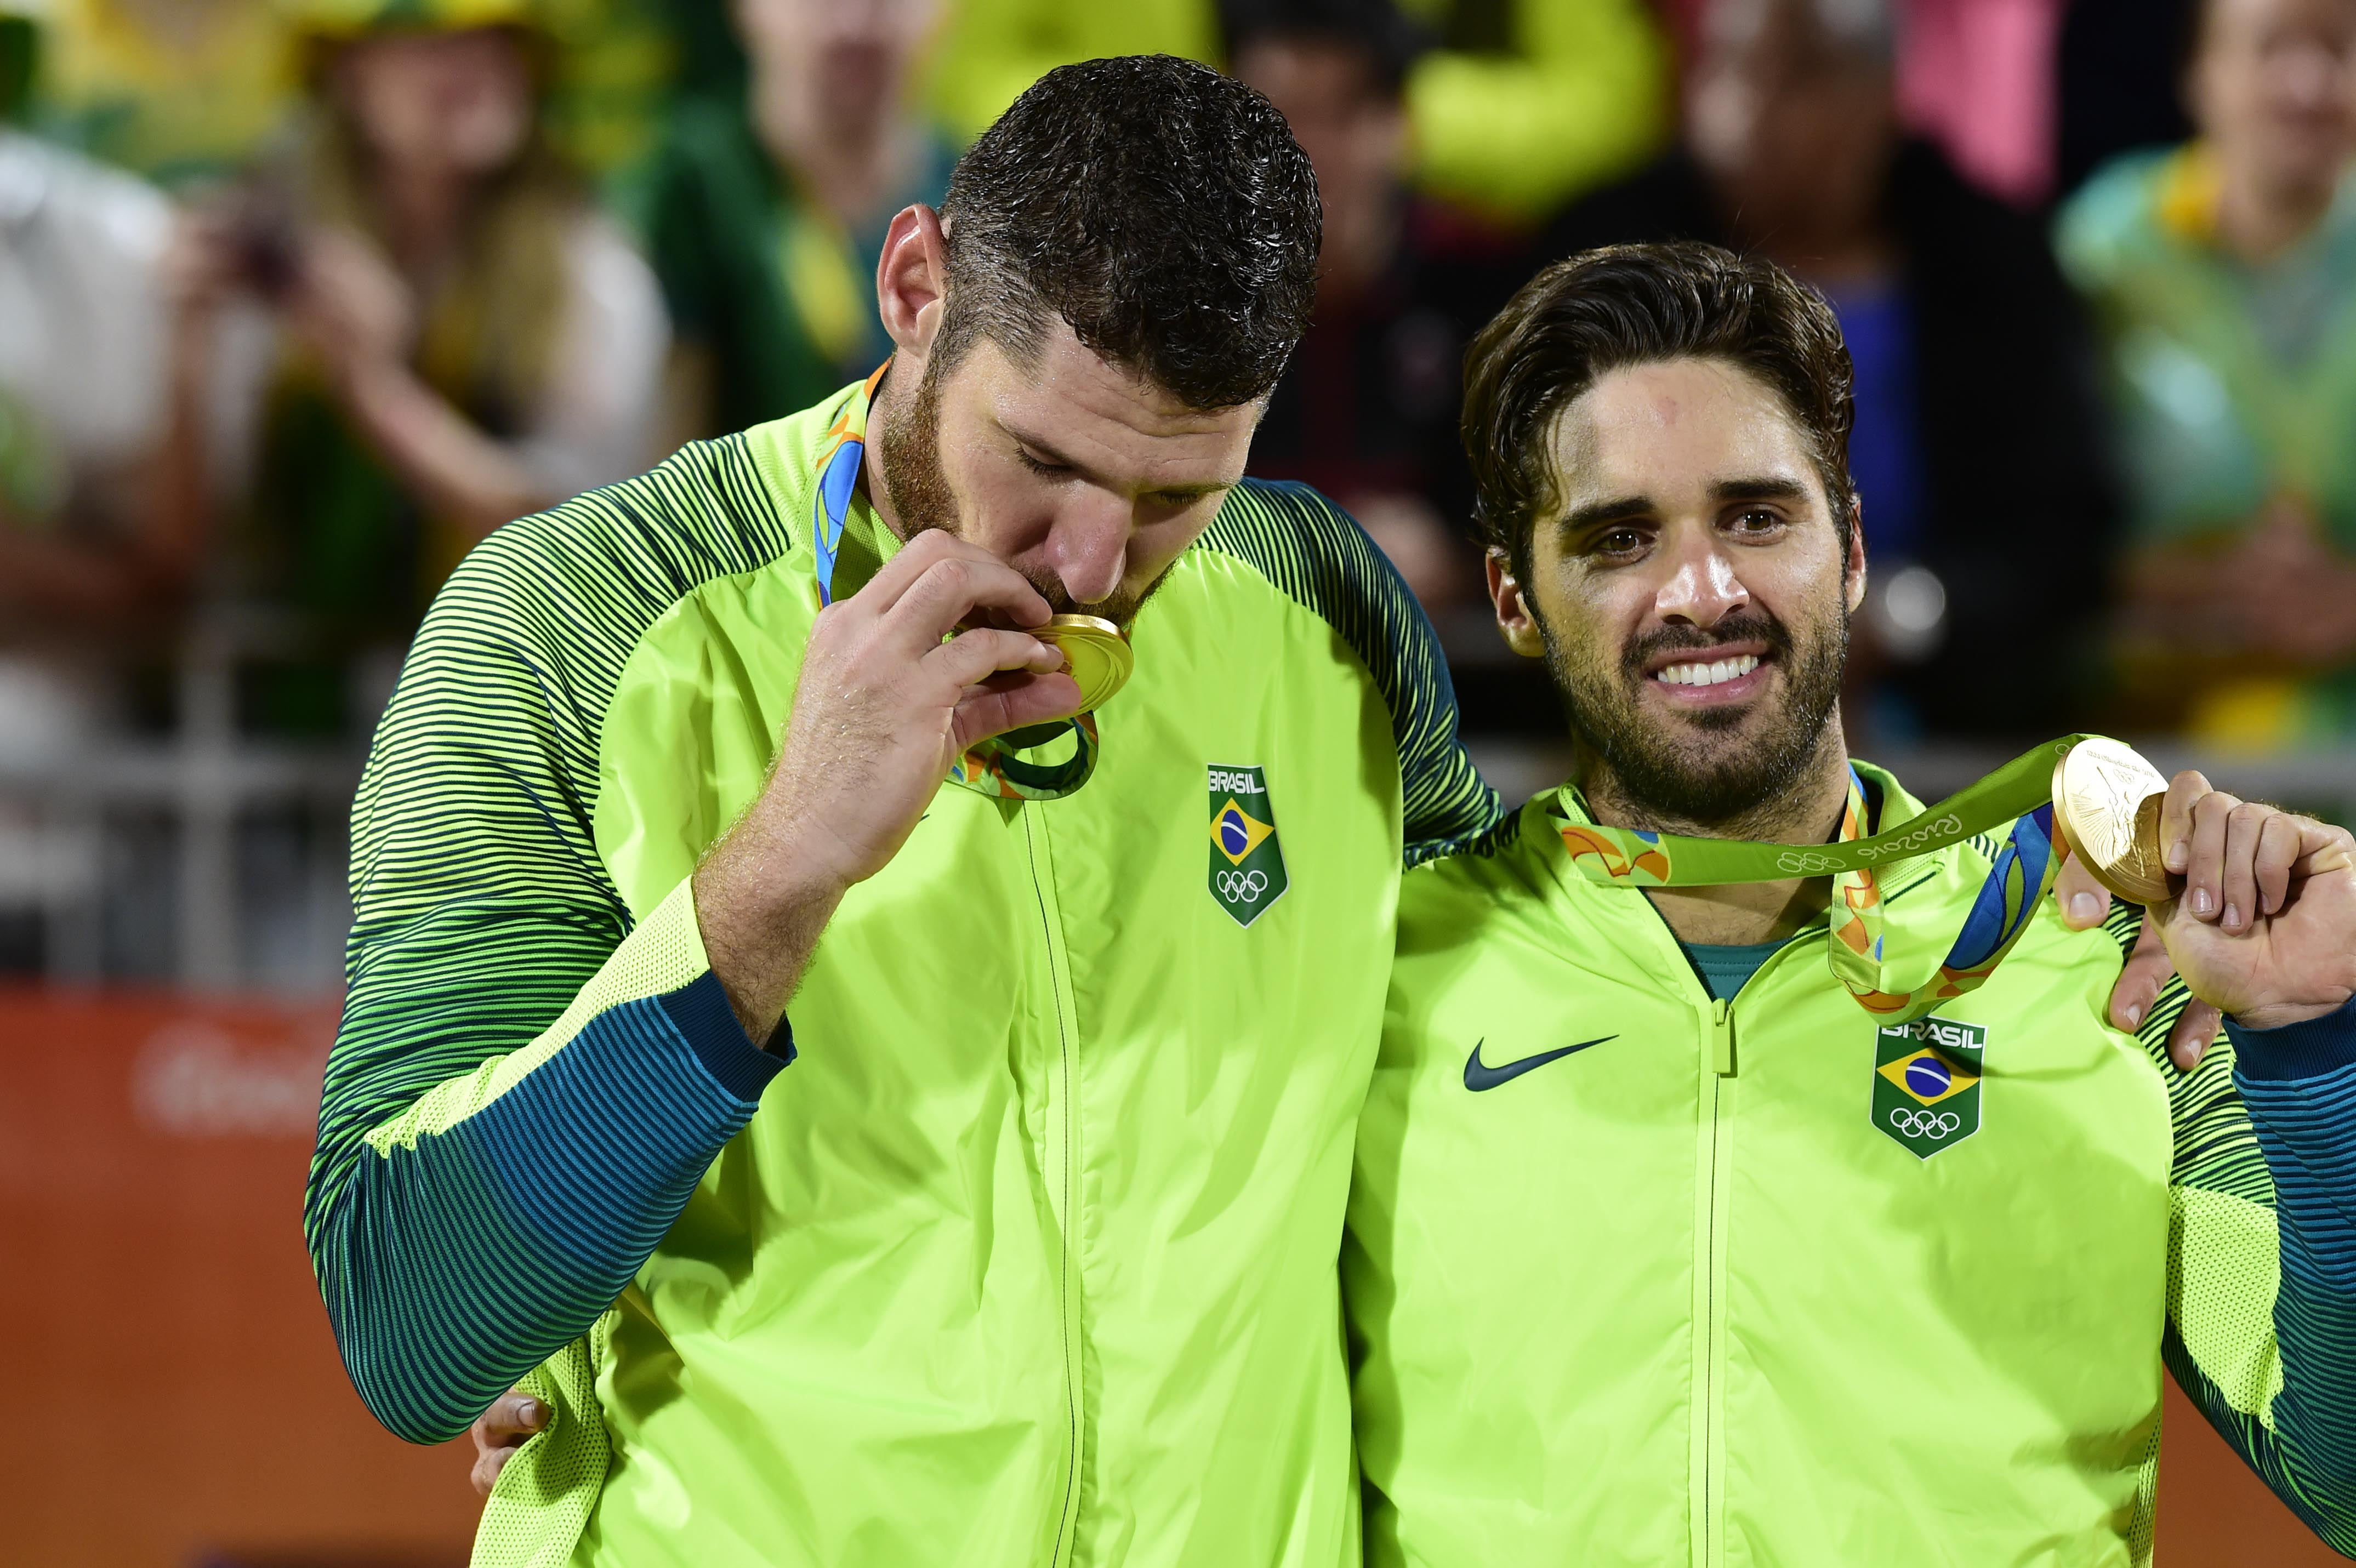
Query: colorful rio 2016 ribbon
{"x": 988, "y": 767}
{"x": 2020, "y": 791}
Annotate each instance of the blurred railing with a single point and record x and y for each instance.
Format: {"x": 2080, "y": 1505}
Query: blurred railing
{"x": 89, "y": 816}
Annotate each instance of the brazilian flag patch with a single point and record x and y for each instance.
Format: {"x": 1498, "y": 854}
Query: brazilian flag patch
{"x": 1246, "y": 862}
{"x": 1926, "y": 1082}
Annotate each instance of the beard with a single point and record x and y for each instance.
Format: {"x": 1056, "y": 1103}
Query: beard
{"x": 909, "y": 449}
{"x": 1698, "y": 771}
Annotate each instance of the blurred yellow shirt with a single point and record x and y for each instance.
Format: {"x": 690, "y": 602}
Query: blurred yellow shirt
{"x": 1526, "y": 104}
{"x": 175, "y": 89}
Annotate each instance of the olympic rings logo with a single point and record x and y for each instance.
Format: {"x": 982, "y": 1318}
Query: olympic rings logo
{"x": 1242, "y": 887}
{"x": 1805, "y": 863}
{"x": 1936, "y": 1125}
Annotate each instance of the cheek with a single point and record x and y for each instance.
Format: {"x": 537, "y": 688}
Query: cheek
{"x": 489, "y": 131}
{"x": 1808, "y": 602}
{"x": 1587, "y": 618}
{"x": 1154, "y": 547}
{"x": 1000, "y": 505}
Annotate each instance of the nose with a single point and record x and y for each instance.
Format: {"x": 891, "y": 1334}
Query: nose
{"x": 1701, "y": 589}
{"x": 1088, "y": 546}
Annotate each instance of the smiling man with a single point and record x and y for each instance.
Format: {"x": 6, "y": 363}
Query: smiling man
{"x": 1029, "y": 1257}
{"x": 1826, "y": 1219}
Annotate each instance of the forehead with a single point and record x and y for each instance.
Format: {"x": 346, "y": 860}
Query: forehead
{"x": 1104, "y": 415}
{"x": 1307, "y": 69}
{"x": 2246, "y": 20}
{"x": 1672, "y": 430}
{"x": 468, "y": 46}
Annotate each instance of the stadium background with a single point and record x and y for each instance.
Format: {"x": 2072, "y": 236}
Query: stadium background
{"x": 218, "y": 525}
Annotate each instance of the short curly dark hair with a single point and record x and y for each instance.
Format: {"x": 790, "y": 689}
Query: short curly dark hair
{"x": 1160, "y": 207}
{"x": 1607, "y": 309}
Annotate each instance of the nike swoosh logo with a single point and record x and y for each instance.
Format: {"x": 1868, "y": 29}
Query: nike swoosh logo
{"x": 1478, "y": 1075}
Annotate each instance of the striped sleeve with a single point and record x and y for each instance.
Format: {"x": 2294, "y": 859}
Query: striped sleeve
{"x": 1317, "y": 555}
{"x": 526, "y": 1084}
{"x": 2262, "y": 1250}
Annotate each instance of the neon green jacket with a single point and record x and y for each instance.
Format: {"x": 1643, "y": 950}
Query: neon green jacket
{"x": 1029, "y": 1257}
{"x": 1636, "y": 1277}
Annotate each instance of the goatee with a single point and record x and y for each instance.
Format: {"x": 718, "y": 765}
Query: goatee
{"x": 1699, "y": 773}
{"x": 908, "y": 447}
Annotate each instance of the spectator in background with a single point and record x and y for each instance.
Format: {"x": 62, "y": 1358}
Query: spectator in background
{"x": 1986, "y": 507}
{"x": 765, "y": 220}
{"x": 1981, "y": 77}
{"x": 88, "y": 573}
{"x": 992, "y": 49}
{"x": 1367, "y": 411}
{"x": 178, "y": 90}
{"x": 436, "y": 331}
{"x": 1528, "y": 104}
{"x": 2120, "y": 87}
{"x": 1524, "y": 104}
{"x": 82, "y": 376}
{"x": 2224, "y": 274}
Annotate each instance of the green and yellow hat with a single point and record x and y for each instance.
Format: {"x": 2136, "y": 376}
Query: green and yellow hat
{"x": 336, "y": 21}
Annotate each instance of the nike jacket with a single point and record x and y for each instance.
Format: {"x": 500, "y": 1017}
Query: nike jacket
{"x": 1027, "y": 1258}
{"x": 1638, "y": 1277}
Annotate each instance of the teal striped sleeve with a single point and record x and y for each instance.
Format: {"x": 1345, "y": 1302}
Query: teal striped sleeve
{"x": 1317, "y": 554}
{"x": 526, "y": 1082}
{"x": 2262, "y": 1250}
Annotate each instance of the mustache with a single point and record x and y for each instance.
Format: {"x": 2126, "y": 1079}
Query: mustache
{"x": 1743, "y": 626}
{"x": 1120, "y": 609}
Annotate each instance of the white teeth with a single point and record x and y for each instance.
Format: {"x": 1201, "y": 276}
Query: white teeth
{"x": 1709, "y": 674}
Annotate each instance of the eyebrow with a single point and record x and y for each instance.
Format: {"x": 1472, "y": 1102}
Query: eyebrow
{"x": 1046, "y": 451}
{"x": 1761, "y": 489}
{"x": 1595, "y": 513}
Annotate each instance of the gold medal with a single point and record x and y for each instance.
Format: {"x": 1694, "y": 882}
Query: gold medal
{"x": 2106, "y": 801}
{"x": 1095, "y": 654}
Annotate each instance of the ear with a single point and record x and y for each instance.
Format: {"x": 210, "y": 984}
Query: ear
{"x": 1515, "y": 622}
{"x": 1853, "y": 570}
{"x": 912, "y": 280}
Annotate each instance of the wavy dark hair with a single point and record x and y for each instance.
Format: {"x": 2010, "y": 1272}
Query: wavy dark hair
{"x": 1160, "y": 208}
{"x": 1607, "y": 309}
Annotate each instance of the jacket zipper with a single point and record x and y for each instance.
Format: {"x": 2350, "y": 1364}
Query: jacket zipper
{"x": 1718, "y": 1065}
{"x": 1713, "y": 1153}
{"x": 1060, "y": 1164}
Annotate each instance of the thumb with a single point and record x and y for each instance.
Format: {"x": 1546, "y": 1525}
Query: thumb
{"x": 2084, "y": 902}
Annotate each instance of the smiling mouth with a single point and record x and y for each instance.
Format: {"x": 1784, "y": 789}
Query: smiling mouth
{"x": 1707, "y": 672}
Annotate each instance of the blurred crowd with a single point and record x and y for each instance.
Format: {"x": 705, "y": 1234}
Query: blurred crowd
{"x": 300, "y": 299}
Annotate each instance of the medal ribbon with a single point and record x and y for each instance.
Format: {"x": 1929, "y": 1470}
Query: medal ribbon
{"x": 2020, "y": 792}
{"x": 988, "y": 767}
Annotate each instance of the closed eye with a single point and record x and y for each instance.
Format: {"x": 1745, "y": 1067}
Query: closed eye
{"x": 1179, "y": 500}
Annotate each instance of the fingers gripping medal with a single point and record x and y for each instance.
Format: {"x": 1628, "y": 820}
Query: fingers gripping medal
{"x": 1098, "y": 658}
{"x": 1095, "y": 654}
{"x": 2106, "y": 801}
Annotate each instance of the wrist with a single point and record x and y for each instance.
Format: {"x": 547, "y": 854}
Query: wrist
{"x": 761, "y": 901}
{"x": 2283, "y": 1015}
{"x": 788, "y": 860}
{"x": 2295, "y": 1047}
